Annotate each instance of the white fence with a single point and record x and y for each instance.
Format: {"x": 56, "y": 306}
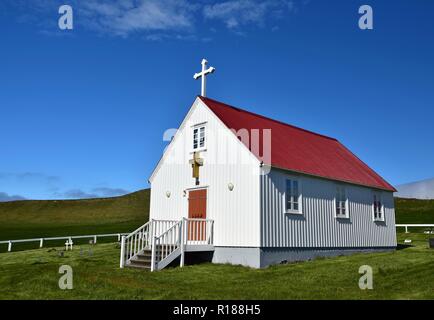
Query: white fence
{"x": 94, "y": 237}
{"x": 406, "y": 226}
{"x": 196, "y": 236}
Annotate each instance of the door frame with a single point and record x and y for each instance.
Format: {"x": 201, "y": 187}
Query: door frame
{"x": 188, "y": 204}
{"x": 187, "y": 191}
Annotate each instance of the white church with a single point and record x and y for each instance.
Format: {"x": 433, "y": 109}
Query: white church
{"x": 241, "y": 188}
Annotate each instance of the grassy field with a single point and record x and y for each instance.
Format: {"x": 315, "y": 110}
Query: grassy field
{"x": 33, "y": 274}
{"x": 49, "y": 218}
{"x": 404, "y": 274}
{"x": 414, "y": 211}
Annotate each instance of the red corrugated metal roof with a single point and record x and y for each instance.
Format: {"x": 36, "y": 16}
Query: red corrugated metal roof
{"x": 300, "y": 150}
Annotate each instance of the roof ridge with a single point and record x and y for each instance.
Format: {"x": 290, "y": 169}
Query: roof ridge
{"x": 270, "y": 119}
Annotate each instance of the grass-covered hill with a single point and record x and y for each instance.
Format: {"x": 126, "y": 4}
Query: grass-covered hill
{"x": 45, "y": 218}
{"x": 414, "y": 211}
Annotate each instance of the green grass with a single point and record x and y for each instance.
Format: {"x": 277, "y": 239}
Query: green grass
{"x": 414, "y": 211}
{"x": 50, "y": 218}
{"x": 33, "y": 274}
{"x": 403, "y": 274}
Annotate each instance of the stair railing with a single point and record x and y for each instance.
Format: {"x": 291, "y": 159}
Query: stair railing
{"x": 199, "y": 231}
{"x": 135, "y": 242}
{"x": 166, "y": 244}
{"x": 166, "y": 239}
{"x": 141, "y": 238}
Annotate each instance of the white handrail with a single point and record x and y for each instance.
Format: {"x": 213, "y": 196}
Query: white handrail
{"x": 166, "y": 239}
{"x": 199, "y": 231}
{"x": 166, "y": 243}
{"x": 141, "y": 238}
{"x": 135, "y": 231}
{"x": 135, "y": 242}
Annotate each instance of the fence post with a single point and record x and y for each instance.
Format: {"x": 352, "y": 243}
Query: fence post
{"x": 122, "y": 262}
{"x": 41, "y": 243}
{"x": 181, "y": 263}
{"x": 10, "y": 246}
{"x": 406, "y": 229}
{"x": 153, "y": 254}
{"x": 94, "y": 239}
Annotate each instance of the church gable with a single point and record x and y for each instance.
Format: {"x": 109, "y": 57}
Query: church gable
{"x": 203, "y": 139}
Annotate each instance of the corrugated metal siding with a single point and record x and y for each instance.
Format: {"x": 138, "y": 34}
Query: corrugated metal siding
{"x": 236, "y": 213}
{"x": 317, "y": 226}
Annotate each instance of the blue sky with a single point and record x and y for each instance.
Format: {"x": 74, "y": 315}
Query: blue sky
{"x": 83, "y": 111}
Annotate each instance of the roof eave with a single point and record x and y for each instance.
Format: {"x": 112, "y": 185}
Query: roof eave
{"x": 391, "y": 189}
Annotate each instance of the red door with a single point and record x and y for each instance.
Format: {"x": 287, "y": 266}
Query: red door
{"x": 197, "y": 210}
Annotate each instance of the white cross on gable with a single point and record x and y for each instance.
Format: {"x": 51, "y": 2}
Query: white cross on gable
{"x": 203, "y": 76}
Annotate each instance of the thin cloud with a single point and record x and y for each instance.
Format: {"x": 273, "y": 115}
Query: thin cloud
{"x": 419, "y": 190}
{"x": 124, "y": 17}
{"x": 78, "y": 194}
{"x": 237, "y": 13}
{"x": 154, "y": 20}
{"x": 101, "y": 192}
{"x": 4, "y": 197}
{"x": 110, "y": 192}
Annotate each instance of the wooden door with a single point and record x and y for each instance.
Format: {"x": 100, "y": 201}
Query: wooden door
{"x": 197, "y": 210}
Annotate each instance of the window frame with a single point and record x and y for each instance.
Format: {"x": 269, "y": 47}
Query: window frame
{"x": 377, "y": 196}
{"x": 338, "y": 189}
{"x": 300, "y": 196}
{"x": 198, "y": 127}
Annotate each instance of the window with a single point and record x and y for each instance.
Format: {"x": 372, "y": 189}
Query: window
{"x": 198, "y": 137}
{"x": 293, "y": 196}
{"x": 378, "y": 208}
{"x": 341, "y": 203}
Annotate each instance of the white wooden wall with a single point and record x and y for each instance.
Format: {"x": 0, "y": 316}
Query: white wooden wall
{"x": 317, "y": 226}
{"x": 235, "y": 213}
